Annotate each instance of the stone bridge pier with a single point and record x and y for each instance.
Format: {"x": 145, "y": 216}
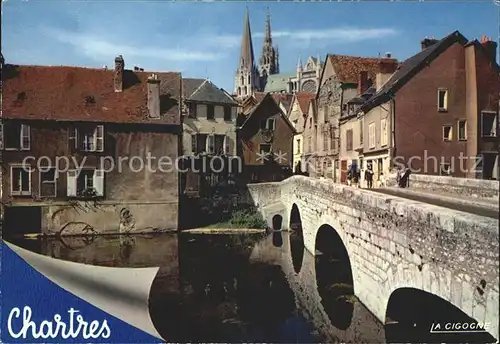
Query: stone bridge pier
{"x": 415, "y": 266}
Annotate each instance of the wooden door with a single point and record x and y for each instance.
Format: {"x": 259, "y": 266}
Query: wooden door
{"x": 343, "y": 171}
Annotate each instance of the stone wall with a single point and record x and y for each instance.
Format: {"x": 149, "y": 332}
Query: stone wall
{"x": 109, "y": 218}
{"x": 460, "y": 186}
{"x": 397, "y": 243}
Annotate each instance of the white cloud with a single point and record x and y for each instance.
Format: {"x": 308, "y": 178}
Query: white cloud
{"x": 100, "y": 48}
{"x": 347, "y": 34}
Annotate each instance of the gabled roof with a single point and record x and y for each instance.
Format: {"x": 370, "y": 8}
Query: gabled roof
{"x": 203, "y": 90}
{"x": 84, "y": 94}
{"x": 312, "y": 105}
{"x": 411, "y": 67}
{"x": 347, "y": 68}
{"x": 266, "y": 98}
{"x": 304, "y": 98}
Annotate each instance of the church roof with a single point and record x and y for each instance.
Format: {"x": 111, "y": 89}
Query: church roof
{"x": 278, "y": 82}
{"x": 203, "y": 90}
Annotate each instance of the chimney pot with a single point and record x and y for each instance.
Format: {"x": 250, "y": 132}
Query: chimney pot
{"x": 119, "y": 70}
{"x": 388, "y": 55}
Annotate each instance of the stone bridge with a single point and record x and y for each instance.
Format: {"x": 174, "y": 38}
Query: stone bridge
{"x": 410, "y": 263}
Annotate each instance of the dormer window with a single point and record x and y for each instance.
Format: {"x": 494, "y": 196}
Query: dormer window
{"x": 268, "y": 124}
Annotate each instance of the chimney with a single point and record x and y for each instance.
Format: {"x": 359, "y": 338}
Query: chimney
{"x": 490, "y": 46}
{"x": 388, "y": 55}
{"x": 136, "y": 69}
{"x": 427, "y": 42}
{"x": 119, "y": 69}
{"x": 362, "y": 82}
{"x": 381, "y": 79}
{"x": 154, "y": 96}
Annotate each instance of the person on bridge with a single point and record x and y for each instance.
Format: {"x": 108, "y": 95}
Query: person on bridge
{"x": 369, "y": 177}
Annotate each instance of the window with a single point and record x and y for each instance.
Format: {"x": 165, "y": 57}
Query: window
{"x": 227, "y": 113}
{"x": 242, "y": 80}
{"x": 325, "y": 113}
{"x": 298, "y": 146}
{"x": 210, "y": 112}
{"x": 383, "y": 132}
{"x": 201, "y": 143}
{"x": 442, "y": 100}
{"x": 371, "y": 135}
{"x": 20, "y": 180}
{"x": 192, "y": 110}
{"x": 220, "y": 144}
{"x": 48, "y": 182}
{"x": 445, "y": 169}
{"x": 326, "y": 136}
{"x": 309, "y": 144}
{"x": 264, "y": 148}
{"x": 87, "y": 139}
{"x": 15, "y": 136}
{"x": 488, "y": 124}
{"x": 249, "y": 80}
{"x": 332, "y": 139}
{"x": 447, "y": 133}
{"x": 268, "y": 124}
{"x": 462, "y": 130}
{"x": 310, "y": 123}
{"x": 85, "y": 182}
{"x": 349, "y": 140}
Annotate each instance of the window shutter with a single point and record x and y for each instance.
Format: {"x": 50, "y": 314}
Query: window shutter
{"x": 99, "y": 182}
{"x": 226, "y": 145}
{"x": 194, "y": 144}
{"x": 72, "y": 139}
{"x": 25, "y": 137}
{"x": 71, "y": 176}
{"x": 99, "y": 138}
{"x": 210, "y": 143}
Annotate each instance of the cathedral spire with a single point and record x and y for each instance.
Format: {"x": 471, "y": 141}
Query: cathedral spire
{"x": 299, "y": 64}
{"x": 268, "y": 38}
{"x": 246, "y": 55}
{"x": 268, "y": 58}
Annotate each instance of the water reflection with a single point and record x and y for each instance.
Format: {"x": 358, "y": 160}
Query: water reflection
{"x": 334, "y": 277}
{"x": 207, "y": 289}
{"x": 296, "y": 239}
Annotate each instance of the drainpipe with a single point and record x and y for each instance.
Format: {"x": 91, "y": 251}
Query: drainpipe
{"x": 393, "y": 149}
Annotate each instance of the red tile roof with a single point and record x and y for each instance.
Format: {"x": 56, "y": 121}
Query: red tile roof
{"x": 304, "y": 98}
{"x": 85, "y": 94}
{"x": 347, "y": 68}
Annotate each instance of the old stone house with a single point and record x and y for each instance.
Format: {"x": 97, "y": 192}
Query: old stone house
{"x": 339, "y": 82}
{"x": 297, "y": 116}
{"x": 88, "y": 151}
{"x": 438, "y": 113}
{"x": 266, "y": 139}
{"x": 309, "y": 135}
{"x": 209, "y": 119}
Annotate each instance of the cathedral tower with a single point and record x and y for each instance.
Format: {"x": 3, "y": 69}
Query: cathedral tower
{"x": 268, "y": 63}
{"x": 247, "y": 79}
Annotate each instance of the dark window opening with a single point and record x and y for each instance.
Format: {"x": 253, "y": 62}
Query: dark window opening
{"x": 210, "y": 112}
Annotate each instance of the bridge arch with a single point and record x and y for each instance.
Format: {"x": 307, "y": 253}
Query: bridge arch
{"x": 277, "y": 222}
{"x": 334, "y": 277}
{"x": 296, "y": 238}
{"x": 413, "y": 314}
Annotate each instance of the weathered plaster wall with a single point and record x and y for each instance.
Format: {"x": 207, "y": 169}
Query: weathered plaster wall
{"x": 397, "y": 243}
{"x": 106, "y": 218}
{"x": 459, "y": 186}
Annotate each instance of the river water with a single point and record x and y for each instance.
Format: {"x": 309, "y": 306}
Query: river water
{"x": 227, "y": 288}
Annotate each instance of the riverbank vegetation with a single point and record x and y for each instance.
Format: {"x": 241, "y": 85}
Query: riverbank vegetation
{"x": 248, "y": 217}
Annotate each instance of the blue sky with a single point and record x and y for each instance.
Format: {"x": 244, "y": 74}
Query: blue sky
{"x": 202, "y": 39}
